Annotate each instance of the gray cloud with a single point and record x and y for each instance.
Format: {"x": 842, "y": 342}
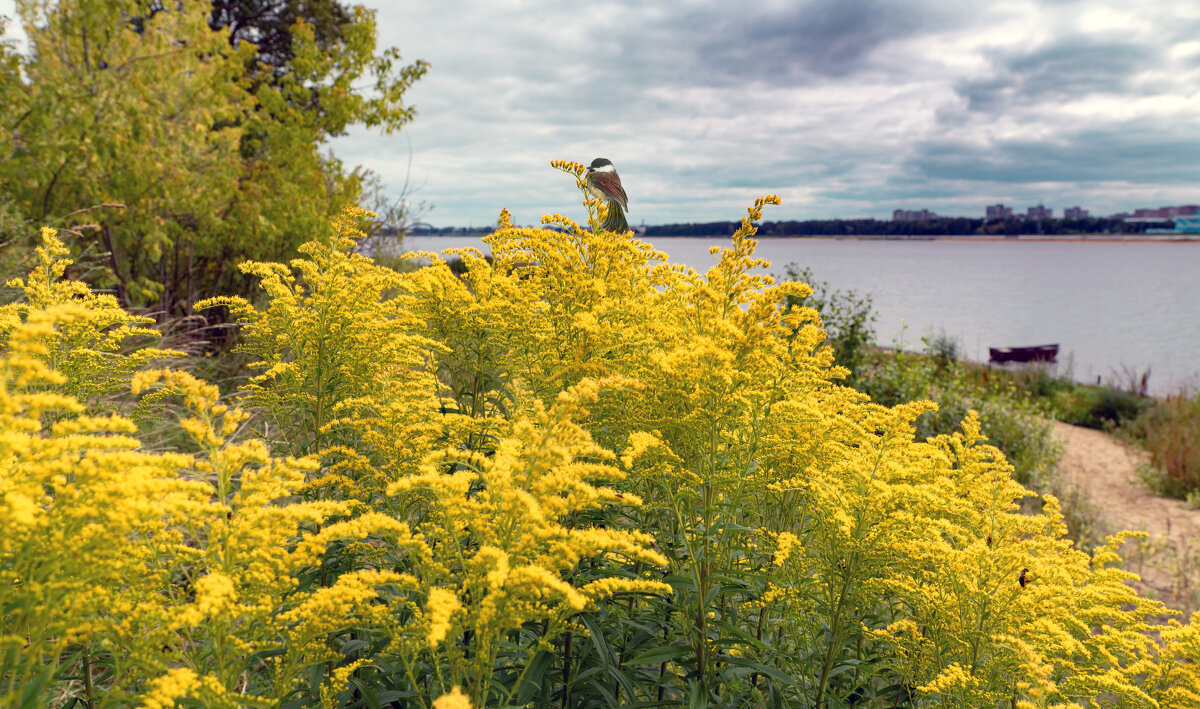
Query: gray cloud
{"x": 1072, "y": 68}
{"x": 1132, "y": 152}
{"x": 805, "y": 42}
{"x": 844, "y": 108}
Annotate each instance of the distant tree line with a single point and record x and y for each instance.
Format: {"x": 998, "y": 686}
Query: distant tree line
{"x": 945, "y": 226}
{"x": 441, "y": 230}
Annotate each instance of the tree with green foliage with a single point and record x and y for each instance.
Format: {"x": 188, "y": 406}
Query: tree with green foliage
{"x": 191, "y": 148}
{"x": 267, "y": 24}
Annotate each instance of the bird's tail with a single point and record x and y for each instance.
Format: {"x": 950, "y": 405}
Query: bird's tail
{"x": 614, "y": 221}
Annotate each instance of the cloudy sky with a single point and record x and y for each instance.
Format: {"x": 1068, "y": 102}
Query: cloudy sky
{"x": 845, "y": 108}
{"x": 842, "y": 107}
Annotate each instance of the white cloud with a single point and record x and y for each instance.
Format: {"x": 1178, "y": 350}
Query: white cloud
{"x": 844, "y": 108}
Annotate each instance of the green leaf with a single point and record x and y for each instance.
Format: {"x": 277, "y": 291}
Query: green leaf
{"x": 598, "y": 640}
{"x": 843, "y": 668}
{"x": 773, "y": 672}
{"x": 531, "y": 681}
{"x": 658, "y": 655}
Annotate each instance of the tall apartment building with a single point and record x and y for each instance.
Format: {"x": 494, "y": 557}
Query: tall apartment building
{"x": 1039, "y": 212}
{"x": 1075, "y": 213}
{"x": 1183, "y": 210}
{"x": 998, "y": 212}
{"x": 905, "y": 215}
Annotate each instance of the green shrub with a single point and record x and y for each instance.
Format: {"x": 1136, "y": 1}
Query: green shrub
{"x": 943, "y": 348}
{"x": 187, "y": 154}
{"x": 1108, "y": 408}
{"x": 1169, "y": 430}
{"x": 1014, "y": 423}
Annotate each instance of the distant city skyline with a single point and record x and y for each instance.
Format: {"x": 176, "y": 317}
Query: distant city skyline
{"x": 1002, "y": 211}
{"x": 845, "y": 109}
{"x": 994, "y": 212}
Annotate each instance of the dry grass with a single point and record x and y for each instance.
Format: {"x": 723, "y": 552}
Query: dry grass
{"x": 1170, "y": 433}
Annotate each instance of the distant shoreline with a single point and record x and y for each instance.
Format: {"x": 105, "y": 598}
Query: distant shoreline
{"x": 1131, "y": 238}
{"x": 1069, "y": 238}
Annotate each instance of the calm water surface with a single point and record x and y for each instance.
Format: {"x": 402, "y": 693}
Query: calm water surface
{"x": 1115, "y": 309}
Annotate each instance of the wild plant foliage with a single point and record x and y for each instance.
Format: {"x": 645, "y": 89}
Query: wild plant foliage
{"x": 573, "y": 476}
{"x": 90, "y": 342}
{"x": 155, "y": 124}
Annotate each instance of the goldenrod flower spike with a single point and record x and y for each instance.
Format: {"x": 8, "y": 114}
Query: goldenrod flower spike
{"x": 454, "y": 699}
{"x": 465, "y": 475}
{"x": 569, "y": 166}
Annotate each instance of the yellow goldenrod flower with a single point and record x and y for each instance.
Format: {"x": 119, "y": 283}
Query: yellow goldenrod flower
{"x": 440, "y": 607}
{"x": 454, "y": 699}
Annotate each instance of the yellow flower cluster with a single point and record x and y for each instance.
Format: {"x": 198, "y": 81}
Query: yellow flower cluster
{"x": 89, "y": 350}
{"x": 454, "y": 699}
{"x": 85, "y": 516}
{"x": 401, "y": 388}
{"x": 159, "y": 562}
{"x": 573, "y": 471}
{"x": 788, "y": 544}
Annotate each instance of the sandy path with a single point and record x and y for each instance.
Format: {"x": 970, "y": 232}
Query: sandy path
{"x": 1101, "y": 481}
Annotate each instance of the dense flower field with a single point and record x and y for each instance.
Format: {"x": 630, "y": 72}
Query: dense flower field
{"x": 573, "y": 476}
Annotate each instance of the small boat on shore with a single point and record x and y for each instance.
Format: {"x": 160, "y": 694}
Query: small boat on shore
{"x": 1037, "y": 353}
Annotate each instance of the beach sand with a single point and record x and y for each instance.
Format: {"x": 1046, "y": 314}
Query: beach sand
{"x": 1102, "y": 473}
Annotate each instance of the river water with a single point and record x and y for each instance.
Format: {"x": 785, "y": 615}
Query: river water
{"x": 1116, "y": 309}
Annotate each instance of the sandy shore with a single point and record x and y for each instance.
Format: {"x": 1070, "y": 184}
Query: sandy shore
{"x": 1102, "y": 472}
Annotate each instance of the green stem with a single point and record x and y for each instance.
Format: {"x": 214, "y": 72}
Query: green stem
{"x": 835, "y": 629}
{"x": 848, "y": 575}
{"x": 566, "y": 672}
{"x": 762, "y": 618}
{"x": 88, "y": 689}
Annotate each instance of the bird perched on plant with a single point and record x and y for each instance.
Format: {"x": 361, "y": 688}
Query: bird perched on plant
{"x": 604, "y": 183}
